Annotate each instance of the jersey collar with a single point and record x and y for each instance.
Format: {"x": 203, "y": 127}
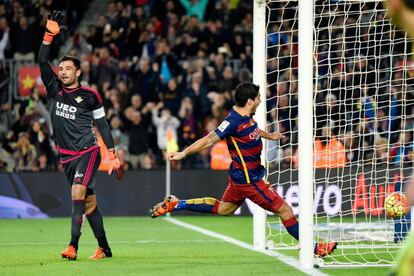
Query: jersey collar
{"x": 67, "y": 90}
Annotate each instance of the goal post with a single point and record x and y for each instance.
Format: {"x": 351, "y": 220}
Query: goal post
{"x": 305, "y": 123}
{"x": 305, "y": 134}
{"x": 259, "y": 78}
{"x": 339, "y": 82}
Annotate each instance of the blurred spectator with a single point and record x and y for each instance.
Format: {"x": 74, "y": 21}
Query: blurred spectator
{"x": 106, "y": 68}
{"x": 220, "y": 156}
{"x": 43, "y": 164}
{"x": 328, "y": 113}
{"x": 364, "y": 141}
{"x": 136, "y": 102}
{"x": 7, "y": 118}
{"x": 138, "y": 140}
{"x": 148, "y": 162}
{"x": 381, "y": 151}
{"x": 195, "y": 7}
{"x": 144, "y": 81}
{"x": 6, "y": 161}
{"x": 24, "y": 47}
{"x": 39, "y": 138}
{"x": 162, "y": 123}
{"x": 403, "y": 150}
{"x": 86, "y": 78}
{"x": 121, "y": 140}
{"x": 172, "y": 95}
{"x": 24, "y": 153}
{"x": 5, "y": 41}
{"x": 227, "y": 82}
{"x": 165, "y": 64}
{"x": 188, "y": 131}
{"x": 186, "y": 47}
{"x": 328, "y": 152}
{"x": 348, "y": 140}
{"x": 124, "y": 95}
{"x": 197, "y": 92}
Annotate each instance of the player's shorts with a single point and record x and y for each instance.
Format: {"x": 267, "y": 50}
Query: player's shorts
{"x": 261, "y": 193}
{"x": 82, "y": 169}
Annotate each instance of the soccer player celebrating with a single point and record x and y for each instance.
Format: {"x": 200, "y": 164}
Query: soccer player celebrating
{"x": 73, "y": 109}
{"x": 246, "y": 173}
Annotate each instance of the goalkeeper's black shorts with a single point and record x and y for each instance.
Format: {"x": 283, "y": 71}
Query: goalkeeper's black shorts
{"x": 81, "y": 169}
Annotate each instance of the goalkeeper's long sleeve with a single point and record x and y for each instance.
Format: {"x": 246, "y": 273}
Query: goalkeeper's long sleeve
{"x": 105, "y": 132}
{"x": 48, "y": 76}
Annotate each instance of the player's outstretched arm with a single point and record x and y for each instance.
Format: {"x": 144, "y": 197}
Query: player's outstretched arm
{"x": 271, "y": 136}
{"x": 114, "y": 163}
{"x": 199, "y": 145}
{"x": 53, "y": 27}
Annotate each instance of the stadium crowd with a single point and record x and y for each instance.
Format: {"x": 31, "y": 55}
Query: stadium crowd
{"x": 167, "y": 68}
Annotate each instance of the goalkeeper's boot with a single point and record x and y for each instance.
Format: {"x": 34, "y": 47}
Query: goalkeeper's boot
{"x": 165, "y": 206}
{"x": 69, "y": 253}
{"x": 325, "y": 248}
{"x": 101, "y": 253}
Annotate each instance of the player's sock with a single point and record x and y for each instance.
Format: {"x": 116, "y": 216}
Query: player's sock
{"x": 96, "y": 222}
{"x": 77, "y": 220}
{"x": 292, "y": 226}
{"x": 204, "y": 205}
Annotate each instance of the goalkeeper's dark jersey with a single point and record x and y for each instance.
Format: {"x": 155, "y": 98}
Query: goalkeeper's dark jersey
{"x": 72, "y": 112}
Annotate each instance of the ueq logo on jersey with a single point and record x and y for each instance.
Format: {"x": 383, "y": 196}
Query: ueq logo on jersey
{"x": 65, "y": 111}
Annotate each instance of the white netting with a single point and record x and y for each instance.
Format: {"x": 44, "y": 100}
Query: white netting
{"x": 363, "y": 123}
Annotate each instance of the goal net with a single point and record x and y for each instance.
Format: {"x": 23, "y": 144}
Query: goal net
{"x": 362, "y": 126}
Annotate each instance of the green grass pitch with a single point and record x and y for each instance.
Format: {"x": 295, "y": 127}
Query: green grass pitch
{"x": 142, "y": 246}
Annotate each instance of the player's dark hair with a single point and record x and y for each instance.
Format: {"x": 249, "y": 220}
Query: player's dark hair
{"x": 75, "y": 61}
{"x": 409, "y": 4}
{"x": 245, "y": 91}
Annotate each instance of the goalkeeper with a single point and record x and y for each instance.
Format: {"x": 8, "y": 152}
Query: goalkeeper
{"x": 73, "y": 109}
{"x": 246, "y": 173}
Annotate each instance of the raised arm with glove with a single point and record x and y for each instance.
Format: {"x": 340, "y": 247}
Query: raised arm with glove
{"x": 53, "y": 26}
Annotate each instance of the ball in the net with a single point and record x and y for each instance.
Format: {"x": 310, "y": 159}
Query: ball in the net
{"x": 396, "y": 205}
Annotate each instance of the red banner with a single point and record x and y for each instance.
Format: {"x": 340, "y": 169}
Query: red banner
{"x": 29, "y": 77}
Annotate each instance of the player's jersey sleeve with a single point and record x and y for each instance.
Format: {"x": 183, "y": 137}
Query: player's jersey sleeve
{"x": 95, "y": 102}
{"x": 228, "y": 127}
{"x": 49, "y": 78}
{"x": 98, "y": 113}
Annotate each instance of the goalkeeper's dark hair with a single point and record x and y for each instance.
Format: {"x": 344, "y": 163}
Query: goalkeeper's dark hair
{"x": 75, "y": 61}
{"x": 409, "y": 4}
{"x": 245, "y": 91}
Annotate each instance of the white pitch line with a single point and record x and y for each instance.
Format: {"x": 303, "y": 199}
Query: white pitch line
{"x": 283, "y": 258}
{"x": 112, "y": 242}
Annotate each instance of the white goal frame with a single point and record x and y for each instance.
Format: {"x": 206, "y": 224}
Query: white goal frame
{"x": 305, "y": 120}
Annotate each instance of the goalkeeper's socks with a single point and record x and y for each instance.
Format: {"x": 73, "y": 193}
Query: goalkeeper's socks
{"x": 204, "y": 205}
{"x": 292, "y": 226}
{"x": 77, "y": 220}
{"x": 96, "y": 222}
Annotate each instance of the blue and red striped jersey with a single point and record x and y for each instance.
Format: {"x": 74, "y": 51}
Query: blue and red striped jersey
{"x": 245, "y": 146}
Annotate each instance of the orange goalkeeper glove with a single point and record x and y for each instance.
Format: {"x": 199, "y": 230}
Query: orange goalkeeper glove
{"x": 53, "y": 25}
{"x": 115, "y": 165}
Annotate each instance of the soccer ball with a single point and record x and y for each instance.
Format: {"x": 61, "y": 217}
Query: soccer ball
{"x": 396, "y": 205}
